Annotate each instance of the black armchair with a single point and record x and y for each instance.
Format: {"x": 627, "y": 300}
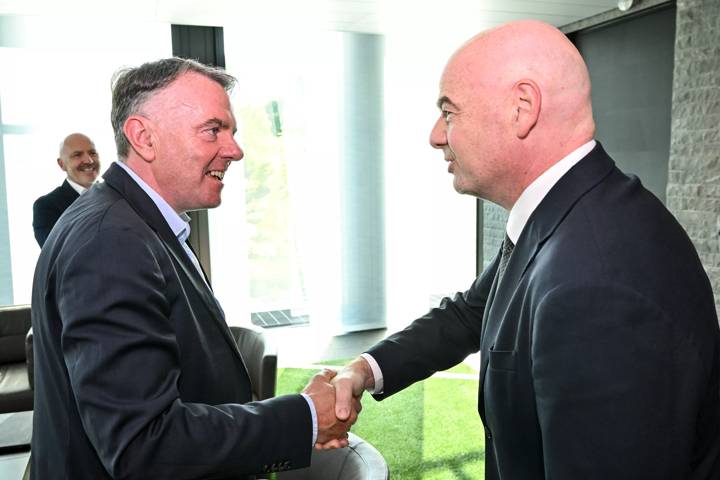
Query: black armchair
{"x": 359, "y": 461}
{"x": 15, "y": 391}
{"x": 260, "y": 359}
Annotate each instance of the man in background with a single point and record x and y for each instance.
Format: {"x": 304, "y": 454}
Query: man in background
{"x": 596, "y": 322}
{"x": 137, "y": 375}
{"x": 79, "y": 159}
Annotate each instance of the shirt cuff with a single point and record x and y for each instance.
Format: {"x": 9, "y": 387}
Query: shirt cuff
{"x": 377, "y": 374}
{"x": 313, "y": 412}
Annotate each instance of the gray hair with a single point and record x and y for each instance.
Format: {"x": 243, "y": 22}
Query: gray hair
{"x": 133, "y": 86}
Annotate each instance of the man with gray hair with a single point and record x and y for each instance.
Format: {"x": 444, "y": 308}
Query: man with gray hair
{"x": 137, "y": 374}
{"x": 79, "y": 159}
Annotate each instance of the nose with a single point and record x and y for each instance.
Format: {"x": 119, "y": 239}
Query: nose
{"x": 438, "y": 134}
{"x": 233, "y": 150}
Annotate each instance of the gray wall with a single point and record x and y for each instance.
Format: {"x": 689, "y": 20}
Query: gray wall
{"x": 631, "y": 68}
{"x": 693, "y": 192}
{"x": 693, "y": 178}
{"x": 630, "y": 59}
{"x": 494, "y": 221}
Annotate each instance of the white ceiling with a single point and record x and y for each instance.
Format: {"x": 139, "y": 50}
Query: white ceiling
{"x": 369, "y": 16}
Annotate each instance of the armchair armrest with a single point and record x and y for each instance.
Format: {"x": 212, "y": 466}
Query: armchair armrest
{"x": 15, "y": 392}
{"x": 260, "y": 359}
{"x": 29, "y": 358}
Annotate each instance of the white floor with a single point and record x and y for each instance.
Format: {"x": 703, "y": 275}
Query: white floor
{"x": 302, "y": 346}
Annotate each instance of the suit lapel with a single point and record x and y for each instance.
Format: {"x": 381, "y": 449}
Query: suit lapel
{"x": 67, "y": 194}
{"x": 119, "y": 180}
{"x": 551, "y": 211}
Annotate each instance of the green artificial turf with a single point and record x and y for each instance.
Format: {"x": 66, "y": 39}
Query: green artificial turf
{"x": 430, "y": 430}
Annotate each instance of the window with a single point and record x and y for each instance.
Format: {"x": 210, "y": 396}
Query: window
{"x": 55, "y": 81}
{"x": 345, "y": 218}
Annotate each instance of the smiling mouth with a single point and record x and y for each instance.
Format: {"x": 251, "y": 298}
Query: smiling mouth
{"x": 219, "y": 174}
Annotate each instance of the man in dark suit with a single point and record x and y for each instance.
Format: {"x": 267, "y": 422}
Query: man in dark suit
{"x": 136, "y": 372}
{"x": 79, "y": 159}
{"x": 596, "y": 322}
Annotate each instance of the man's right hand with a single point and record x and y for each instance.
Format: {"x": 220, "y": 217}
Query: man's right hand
{"x": 331, "y": 430}
{"x": 350, "y": 384}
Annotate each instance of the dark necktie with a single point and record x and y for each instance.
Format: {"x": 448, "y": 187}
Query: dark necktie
{"x": 507, "y": 249}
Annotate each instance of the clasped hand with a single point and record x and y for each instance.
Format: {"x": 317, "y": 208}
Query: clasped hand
{"x": 336, "y": 397}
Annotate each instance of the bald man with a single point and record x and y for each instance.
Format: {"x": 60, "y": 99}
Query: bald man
{"x": 79, "y": 159}
{"x": 596, "y": 322}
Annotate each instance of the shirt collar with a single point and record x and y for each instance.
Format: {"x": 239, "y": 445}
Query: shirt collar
{"x": 76, "y": 186}
{"x": 178, "y": 223}
{"x": 531, "y": 197}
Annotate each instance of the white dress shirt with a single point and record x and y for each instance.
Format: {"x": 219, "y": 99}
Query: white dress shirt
{"x": 76, "y": 186}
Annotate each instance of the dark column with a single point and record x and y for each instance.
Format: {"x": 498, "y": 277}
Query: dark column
{"x": 204, "y": 44}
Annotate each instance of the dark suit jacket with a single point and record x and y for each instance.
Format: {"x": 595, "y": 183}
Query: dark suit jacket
{"x": 48, "y": 208}
{"x": 136, "y": 372}
{"x": 600, "y": 347}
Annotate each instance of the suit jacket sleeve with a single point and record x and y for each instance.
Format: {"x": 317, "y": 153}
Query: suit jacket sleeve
{"x": 44, "y": 218}
{"x": 120, "y": 350}
{"x": 587, "y": 388}
{"x": 437, "y": 341}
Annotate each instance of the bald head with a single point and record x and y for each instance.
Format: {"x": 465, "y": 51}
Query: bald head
{"x": 534, "y": 51}
{"x": 515, "y": 100}
{"x": 79, "y": 159}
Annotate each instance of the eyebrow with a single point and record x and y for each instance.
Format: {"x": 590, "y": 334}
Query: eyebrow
{"x": 216, "y": 122}
{"x": 445, "y": 100}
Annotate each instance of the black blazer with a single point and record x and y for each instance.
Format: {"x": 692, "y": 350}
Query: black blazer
{"x": 48, "y": 208}
{"x": 599, "y": 348}
{"x": 136, "y": 372}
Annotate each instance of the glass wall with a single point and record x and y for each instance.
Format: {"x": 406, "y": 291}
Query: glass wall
{"x": 55, "y": 80}
{"x": 291, "y": 223}
{"x": 347, "y": 217}
{"x": 340, "y": 214}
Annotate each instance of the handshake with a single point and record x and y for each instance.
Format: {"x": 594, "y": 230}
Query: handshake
{"x": 336, "y": 396}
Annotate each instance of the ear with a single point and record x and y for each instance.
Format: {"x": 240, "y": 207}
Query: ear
{"x": 139, "y": 132}
{"x": 61, "y": 164}
{"x": 527, "y": 100}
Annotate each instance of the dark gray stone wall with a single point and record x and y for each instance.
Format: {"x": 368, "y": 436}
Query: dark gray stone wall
{"x": 494, "y": 221}
{"x": 693, "y": 191}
